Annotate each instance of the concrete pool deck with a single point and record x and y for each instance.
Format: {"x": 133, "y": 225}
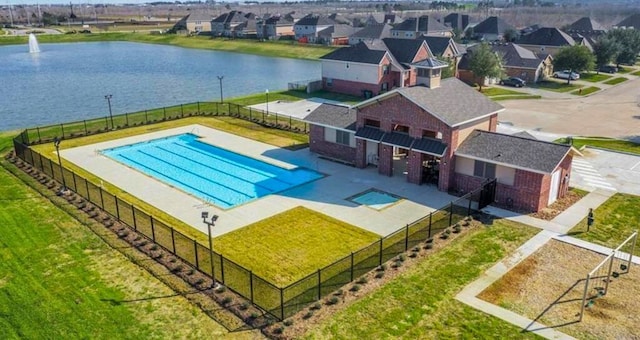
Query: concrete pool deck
{"x": 328, "y": 195}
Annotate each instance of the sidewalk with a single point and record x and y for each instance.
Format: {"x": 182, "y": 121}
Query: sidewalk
{"x": 554, "y": 229}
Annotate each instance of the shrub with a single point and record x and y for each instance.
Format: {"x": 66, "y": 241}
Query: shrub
{"x": 338, "y": 292}
{"x": 412, "y": 255}
{"x": 177, "y": 268}
{"x": 444, "y": 236}
{"x": 456, "y": 230}
{"x": 253, "y": 315}
{"x": 288, "y": 322}
{"x": 430, "y": 240}
{"x": 396, "y": 265}
{"x": 333, "y": 300}
{"x": 355, "y": 288}
{"x": 447, "y": 231}
{"x": 307, "y": 315}
{"x": 379, "y": 275}
{"x": 315, "y": 306}
{"x": 278, "y": 330}
{"x": 173, "y": 260}
{"x": 221, "y": 289}
{"x": 138, "y": 238}
{"x": 400, "y": 258}
{"x": 381, "y": 268}
{"x": 154, "y": 247}
{"x": 199, "y": 281}
{"x": 428, "y": 246}
{"x": 415, "y": 249}
{"x": 159, "y": 255}
{"x": 143, "y": 243}
{"x": 191, "y": 271}
{"x": 362, "y": 280}
{"x": 226, "y": 300}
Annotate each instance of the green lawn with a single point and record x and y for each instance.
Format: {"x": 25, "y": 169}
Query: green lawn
{"x": 249, "y": 46}
{"x": 625, "y": 69}
{"x": 604, "y": 143}
{"x": 637, "y": 73}
{"x": 614, "y": 221}
{"x": 420, "y": 303}
{"x": 294, "y": 96}
{"x": 498, "y": 91}
{"x": 615, "y": 81}
{"x": 556, "y": 86}
{"x": 586, "y": 90}
{"x": 58, "y": 280}
{"x": 516, "y": 97}
{"x": 288, "y": 246}
{"x": 594, "y": 77}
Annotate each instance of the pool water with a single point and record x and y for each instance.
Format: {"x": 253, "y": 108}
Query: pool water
{"x": 215, "y": 175}
{"x": 375, "y": 199}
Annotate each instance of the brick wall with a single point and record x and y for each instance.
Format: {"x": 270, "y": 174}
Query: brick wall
{"x": 527, "y": 75}
{"x": 328, "y": 149}
{"x": 350, "y": 87}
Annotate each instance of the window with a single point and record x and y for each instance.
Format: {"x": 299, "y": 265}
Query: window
{"x": 435, "y": 73}
{"x": 329, "y": 82}
{"x": 372, "y": 123}
{"x": 385, "y": 69}
{"x": 384, "y": 86}
{"x": 342, "y": 137}
{"x": 484, "y": 169}
{"x": 423, "y": 72}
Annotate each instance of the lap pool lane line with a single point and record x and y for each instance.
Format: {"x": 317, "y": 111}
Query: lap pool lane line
{"x": 589, "y": 175}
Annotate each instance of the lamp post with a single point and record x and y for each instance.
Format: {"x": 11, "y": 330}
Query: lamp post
{"x": 108, "y": 98}
{"x": 210, "y": 223}
{"x": 220, "y": 79}
{"x": 56, "y": 143}
{"x": 267, "y": 93}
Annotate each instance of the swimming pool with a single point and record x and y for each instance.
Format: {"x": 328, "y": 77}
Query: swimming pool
{"x": 218, "y": 176}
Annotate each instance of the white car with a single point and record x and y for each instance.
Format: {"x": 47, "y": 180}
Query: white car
{"x": 565, "y": 74}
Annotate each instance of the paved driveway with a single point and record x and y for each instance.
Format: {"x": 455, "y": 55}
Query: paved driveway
{"x": 612, "y": 112}
{"x": 606, "y": 170}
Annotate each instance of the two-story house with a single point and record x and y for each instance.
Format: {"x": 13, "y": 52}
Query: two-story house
{"x": 275, "y": 27}
{"x": 443, "y": 132}
{"x": 412, "y": 28}
{"x": 226, "y": 24}
{"x": 491, "y": 29}
{"x": 307, "y": 28}
{"x": 371, "y": 33}
{"x": 548, "y": 40}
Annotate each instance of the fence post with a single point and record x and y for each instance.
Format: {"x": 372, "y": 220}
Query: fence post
{"x": 198, "y": 107}
{"x": 450, "y": 213}
{"x": 181, "y": 111}
{"x": 53, "y": 175}
{"x": 606, "y": 282}
{"x": 221, "y": 268}
{"x": 146, "y": 119}
{"x": 380, "y": 252}
{"x": 290, "y": 125}
{"x": 276, "y": 119}
{"x": 319, "y": 285}
{"x": 86, "y": 132}
{"x": 406, "y": 238}
{"x": 75, "y": 185}
{"x": 469, "y": 207}
{"x": 195, "y": 248}
{"x": 351, "y": 266}
{"x": 101, "y": 197}
{"x": 173, "y": 243}
{"x": 117, "y": 208}
{"x": 251, "y": 286}
{"x": 62, "y": 127}
{"x": 164, "y": 112}
{"x": 584, "y": 296}
{"x": 250, "y": 114}
{"x": 430, "y": 215}
{"x": 229, "y": 108}
{"x": 38, "y": 131}
{"x": 133, "y": 214}
{"x": 281, "y": 304}
{"x": 86, "y": 186}
{"x": 153, "y": 228}
{"x": 217, "y": 109}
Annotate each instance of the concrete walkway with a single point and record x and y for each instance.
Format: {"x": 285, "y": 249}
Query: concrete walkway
{"x": 554, "y": 229}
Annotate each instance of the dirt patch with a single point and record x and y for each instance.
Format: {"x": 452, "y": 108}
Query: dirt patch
{"x": 547, "y": 287}
{"x": 558, "y": 206}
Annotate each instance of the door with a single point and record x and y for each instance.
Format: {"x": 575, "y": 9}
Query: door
{"x": 555, "y": 186}
{"x": 372, "y": 153}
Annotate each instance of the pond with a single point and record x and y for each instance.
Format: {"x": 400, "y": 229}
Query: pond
{"x": 69, "y": 82}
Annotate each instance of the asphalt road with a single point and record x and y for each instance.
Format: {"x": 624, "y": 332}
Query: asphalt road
{"x": 612, "y": 112}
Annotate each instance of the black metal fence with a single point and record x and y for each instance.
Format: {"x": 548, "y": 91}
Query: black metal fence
{"x": 81, "y": 128}
{"x": 281, "y": 302}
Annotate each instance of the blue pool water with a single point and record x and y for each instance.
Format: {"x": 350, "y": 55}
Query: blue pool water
{"x": 218, "y": 176}
{"x": 375, "y": 199}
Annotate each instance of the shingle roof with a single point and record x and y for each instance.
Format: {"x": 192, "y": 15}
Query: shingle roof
{"x": 491, "y": 25}
{"x": 438, "y": 45}
{"x": 513, "y": 151}
{"x": 338, "y": 31}
{"x": 457, "y": 20}
{"x": 233, "y": 16}
{"x": 454, "y": 102}
{"x": 524, "y": 134}
{"x": 430, "y": 63}
{"x": 199, "y": 16}
{"x": 515, "y": 55}
{"x": 359, "y": 53}
{"x": 376, "y": 31}
{"x": 314, "y": 20}
{"x": 404, "y": 50}
{"x": 421, "y": 24}
{"x": 586, "y": 24}
{"x": 631, "y": 21}
{"x": 546, "y": 36}
{"x": 338, "y": 116}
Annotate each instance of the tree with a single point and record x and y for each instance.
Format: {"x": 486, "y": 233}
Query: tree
{"x": 483, "y": 62}
{"x": 510, "y": 35}
{"x": 574, "y": 58}
{"x": 605, "y": 50}
{"x": 629, "y": 45}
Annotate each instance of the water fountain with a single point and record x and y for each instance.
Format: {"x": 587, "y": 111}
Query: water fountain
{"x": 33, "y": 44}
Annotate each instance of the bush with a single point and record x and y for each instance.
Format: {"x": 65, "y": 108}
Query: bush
{"x": 355, "y": 288}
{"x": 278, "y": 330}
{"x": 191, "y": 271}
{"x": 400, "y": 258}
{"x": 379, "y": 275}
{"x": 221, "y": 289}
{"x": 362, "y": 280}
{"x": 199, "y": 281}
{"x": 338, "y": 292}
{"x": 447, "y": 231}
{"x": 333, "y": 300}
{"x": 415, "y": 249}
{"x": 244, "y": 306}
{"x": 381, "y": 268}
{"x": 288, "y": 322}
{"x": 412, "y": 255}
{"x": 430, "y": 240}
{"x": 444, "y": 236}
{"x": 428, "y": 246}
{"x": 307, "y": 315}
{"x": 396, "y": 265}
{"x": 177, "y": 268}
{"x": 226, "y": 300}
{"x": 154, "y": 247}
{"x": 315, "y": 306}
{"x": 253, "y": 315}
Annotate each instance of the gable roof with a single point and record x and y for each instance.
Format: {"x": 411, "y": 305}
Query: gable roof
{"x": 404, "y": 50}
{"x": 492, "y": 25}
{"x": 423, "y": 23}
{"x": 375, "y": 31}
{"x": 631, "y": 21}
{"x": 199, "y": 16}
{"x": 513, "y": 151}
{"x": 360, "y": 53}
{"x": 338, "y": 116}
{"x": 515, "y": 55}
{"x": 437, "y": 45}
{"x": 586, "y": 24}
{"x": 454, "y": 102}
{"x": 338, "y": 31}
{"x": 233, "y": 17}
{"x": 547, "y": 36}
{"x": 457, "y": 20}
{"x": 314, "y": 20}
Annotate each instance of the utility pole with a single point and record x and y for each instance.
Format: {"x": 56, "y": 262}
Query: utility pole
{"x": 10, "y": 13}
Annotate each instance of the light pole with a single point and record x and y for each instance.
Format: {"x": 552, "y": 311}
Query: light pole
{"x": 56, "y": 143}
{"x": 108, "y": 98}
{"x": 212, "y": 222}
{"x": 267, "y": 93}
{"x": 220, "y": 79}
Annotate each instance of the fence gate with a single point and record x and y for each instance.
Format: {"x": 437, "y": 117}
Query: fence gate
{"x": 487, "y": 194}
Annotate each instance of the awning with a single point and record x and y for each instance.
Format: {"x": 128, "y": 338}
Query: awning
{"x": 401, "y": 140}
{"x": 369, "y": 133}
{"x": 429, "y": 146}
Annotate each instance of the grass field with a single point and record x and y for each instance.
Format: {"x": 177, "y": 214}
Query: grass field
{"x": 555, "y": 86}
{"x": 615, "y": 81}
{"x": 272, "y": 49}
{"x": 637, "y": 73}
{"x": 420, "y": 304}
{"x": 586, "y": 90}
{"x": 604, "y": 143}
{"x": 614, "y": 221}
{"x": 59, "y": 280}
{"x": 498, "y": 91}
{"x": 594, "y": 77}
{"x": 288, "y": 246}
{"x": 625, "y": 69}
{"x": 515, "y": 97}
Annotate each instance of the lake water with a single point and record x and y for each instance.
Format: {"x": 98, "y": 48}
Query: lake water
{"x": 68, "y": 82}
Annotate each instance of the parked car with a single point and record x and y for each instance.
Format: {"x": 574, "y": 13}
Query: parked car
{"x": 513, "y": 81}
{"x": 565, "y": 74}
{"x": 608, "y": 69}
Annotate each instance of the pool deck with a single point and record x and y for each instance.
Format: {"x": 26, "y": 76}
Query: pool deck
{"x": 328, "y": 195}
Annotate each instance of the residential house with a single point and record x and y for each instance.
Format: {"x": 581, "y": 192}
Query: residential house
{"x": 631, "y": 22}
{"x": 307, "y": 28}
{"x": 442, "y": 133}
{"x": 517, "y": 61}
{"x": 369, "y": 68}
{"x": 491, "y": 29}
{"x": 197, "y": 22}
{"x": 337, "y": 34}
{"x": 274, "y": 27}
{"x": 457, "y": 21}
{"x": 382, "y": 18}
{"x": 586, "y": 28}
{"x": 444, "y": 48}
{"x": 412, "y": 28}
{"x": 547, "y": 40}
{"x": 226, "y": 24}
{"x": 371, "y": 33}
